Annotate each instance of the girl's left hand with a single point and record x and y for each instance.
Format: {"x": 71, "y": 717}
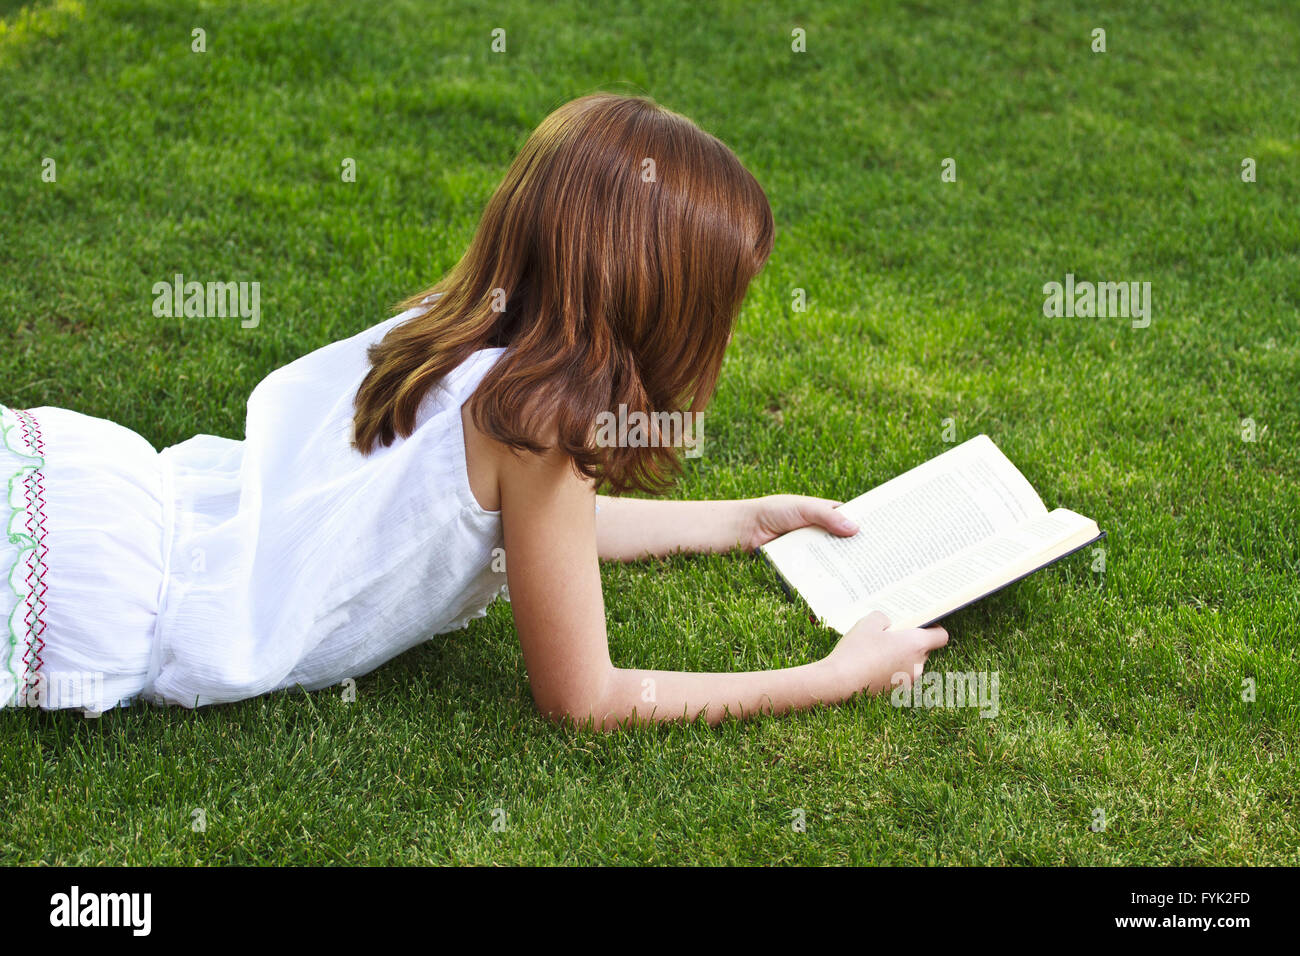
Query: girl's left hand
{"x": 774, "y": 515}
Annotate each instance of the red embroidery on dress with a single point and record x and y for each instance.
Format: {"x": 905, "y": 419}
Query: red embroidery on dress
{"x": 34, "y": 492}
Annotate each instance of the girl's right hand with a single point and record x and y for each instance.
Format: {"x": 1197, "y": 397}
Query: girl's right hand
{"x": 870, "y": 656}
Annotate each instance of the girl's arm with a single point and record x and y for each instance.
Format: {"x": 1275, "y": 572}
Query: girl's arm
{"x": 554, "y": 576}
{"x": 628, "y": 529}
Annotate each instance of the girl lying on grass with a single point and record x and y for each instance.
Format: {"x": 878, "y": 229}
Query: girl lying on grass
{"x": 379, "y": 475}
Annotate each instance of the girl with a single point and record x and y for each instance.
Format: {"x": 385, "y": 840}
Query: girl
{"x": 379, "y": 476}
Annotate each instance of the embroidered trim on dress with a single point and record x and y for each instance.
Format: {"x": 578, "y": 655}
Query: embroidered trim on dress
{"x": 26, "y": 529}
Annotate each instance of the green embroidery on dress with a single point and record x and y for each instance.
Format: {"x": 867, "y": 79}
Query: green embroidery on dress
{"x": 15, "y": 529}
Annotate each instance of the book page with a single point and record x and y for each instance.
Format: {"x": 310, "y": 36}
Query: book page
{"x": 917, "y": 520}
{"x": 978, "y": 570}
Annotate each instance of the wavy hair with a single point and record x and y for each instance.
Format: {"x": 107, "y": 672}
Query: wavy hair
{"x": 611, "y": 263}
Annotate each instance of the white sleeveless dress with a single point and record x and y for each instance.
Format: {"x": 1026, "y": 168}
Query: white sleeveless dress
{"x": 217, "y": 570}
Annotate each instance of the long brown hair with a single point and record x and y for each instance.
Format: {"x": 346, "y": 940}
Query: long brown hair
{"x": 620, "y": 243}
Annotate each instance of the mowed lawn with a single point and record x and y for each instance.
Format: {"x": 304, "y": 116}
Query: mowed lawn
{"x": 1161, "y": 697}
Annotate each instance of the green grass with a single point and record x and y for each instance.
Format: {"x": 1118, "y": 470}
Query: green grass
{"x": 925, "y": 303}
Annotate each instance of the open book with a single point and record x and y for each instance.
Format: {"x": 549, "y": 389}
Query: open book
{"x": 931, "y": 541}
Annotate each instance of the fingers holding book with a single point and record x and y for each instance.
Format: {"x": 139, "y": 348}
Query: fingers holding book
{"x": 870, "y": 655}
